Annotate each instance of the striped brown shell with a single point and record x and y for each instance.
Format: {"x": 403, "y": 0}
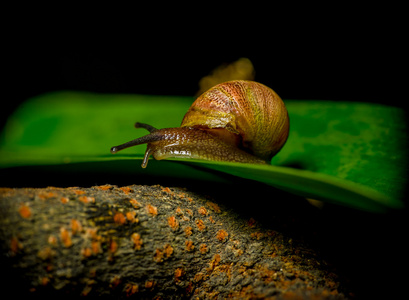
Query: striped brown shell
{"x": 249, "y": 109}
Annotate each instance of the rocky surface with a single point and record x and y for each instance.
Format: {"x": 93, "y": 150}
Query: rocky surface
{"x": 159, "y": 242}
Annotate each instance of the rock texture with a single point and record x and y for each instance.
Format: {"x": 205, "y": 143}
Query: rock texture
{"x": 152, "y": 242}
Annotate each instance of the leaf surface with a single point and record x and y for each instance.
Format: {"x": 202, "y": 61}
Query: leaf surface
{"x": 353, "y": 154}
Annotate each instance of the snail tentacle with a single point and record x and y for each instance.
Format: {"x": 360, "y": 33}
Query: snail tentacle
{"x": 142, "y": 140}
{"x": 148, "y": 127}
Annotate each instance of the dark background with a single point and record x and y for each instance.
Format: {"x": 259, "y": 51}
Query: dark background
{"x": 348, "y": 57}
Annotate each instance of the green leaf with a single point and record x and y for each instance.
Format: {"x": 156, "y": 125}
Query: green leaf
{"x": 353, "y": 154}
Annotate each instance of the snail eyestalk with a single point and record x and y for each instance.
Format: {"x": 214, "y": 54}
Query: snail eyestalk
{"x": 142, "y": 140}
{"x": 152, "y": 137}
{"x": 135, "y": 142}
{"x": 145, "y": 126}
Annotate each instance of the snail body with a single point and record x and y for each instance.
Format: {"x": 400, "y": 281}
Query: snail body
{"x": 238, "y": 121}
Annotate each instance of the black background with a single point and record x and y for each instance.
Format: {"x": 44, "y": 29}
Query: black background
{"x": 350, "y": 56}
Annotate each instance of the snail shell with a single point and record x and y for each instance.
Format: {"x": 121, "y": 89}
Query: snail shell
{"x": 240, "y": 121}
{"x": 246, "y": 108}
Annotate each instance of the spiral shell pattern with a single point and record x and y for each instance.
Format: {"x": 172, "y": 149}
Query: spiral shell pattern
{"x": 247, "y": 108}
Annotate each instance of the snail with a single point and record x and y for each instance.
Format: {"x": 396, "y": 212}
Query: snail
{"x": 237, "y": 121}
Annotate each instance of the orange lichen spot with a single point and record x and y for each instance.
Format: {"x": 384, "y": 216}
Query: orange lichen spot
{"x": 173, "y": 223}
{"x": 137, "y": 241}
{"x": 267, "y": 275}
{"x": 119, "y": 218}
{"x": 44, "y": 280}
{"x": 64, "y": 200}
{"x": 75, "y": 226}
{"x": 46, "y": 253}
{"x": 96, "y": 247}
{"x": 257, "y": 235}
{"x": 214, "y": 262}
{"x": 203, "y": 211}
{"x": 200, "y": 225}
{"x": 46, "y": 195}
{"x": 179, "y": 211}
{"x": 126, "y": 190}
{"x": 190, "y": 212}
{"x": 15, "y": 246}
{"x": 131, "y": 289}
{"x": 214, "y": 207}
{"x": 179, "y": 274}
{"x": 168, "y": 250}
{"x": 149, "y": 284}
{"x": 203, "y": 248}
{"x": 24, "y": 211}
{"x": 52, "y": 240}
{"x": 189, "y": 245}
{"x": 135, "y": 203}
{"x": 130, "y": 216}
{"x": 158, "y": 255}
{"x": 222, "y": 235}
{"x": 167, "y": 190}
{"x": 198, "y": 277}
{"x": 79, "y": 192}
{"x": 86, "y": 252}
{"x": 86, "y": 200}
{"x": 65, "y": 237}
{"x": 115, "y": 281}
{"x": 113, "y": 246}
{"x": 211, "y": 220}
{"x": 51, "y": 195}
{"x": 105, "y": 187}
{"x": 152, "y": 210}
{"x": 189, "y": 199}
{"x": 188, "y": 231}
{"x": 162, "y": 254}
